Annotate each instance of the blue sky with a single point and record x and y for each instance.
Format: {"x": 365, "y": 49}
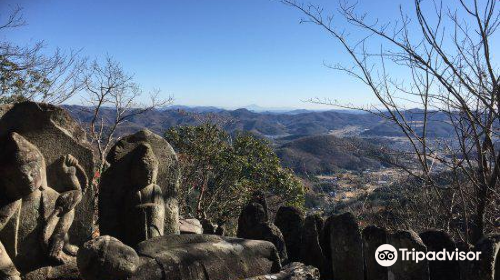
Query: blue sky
{"x": 227, "y": 53}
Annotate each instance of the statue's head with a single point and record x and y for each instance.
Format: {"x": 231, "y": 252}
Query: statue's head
{"x": 144, "y": 166}
{"x": 22, "y": 169}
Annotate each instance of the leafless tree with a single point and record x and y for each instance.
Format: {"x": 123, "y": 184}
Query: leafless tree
{"x": 107, "y": 85}
{"x": 440, "y": 59}
{"x": 29, "y": 74}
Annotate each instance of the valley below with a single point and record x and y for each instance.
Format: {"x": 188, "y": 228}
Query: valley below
{"x": 342, "y": 157}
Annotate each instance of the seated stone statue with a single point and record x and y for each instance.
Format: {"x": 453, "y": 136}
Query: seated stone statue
{"x": 143, "y": 206}
{"x": 34, "y": 218}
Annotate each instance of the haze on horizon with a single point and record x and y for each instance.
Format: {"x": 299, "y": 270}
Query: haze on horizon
{"x": 222, "y": 53}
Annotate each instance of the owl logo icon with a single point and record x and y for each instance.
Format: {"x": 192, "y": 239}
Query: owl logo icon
{"x": 386, "y": 255}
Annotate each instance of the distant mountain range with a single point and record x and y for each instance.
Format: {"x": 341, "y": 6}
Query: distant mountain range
{"x": 254, "y": 108}
{"x": 284, "y": 126}
{"x": 309, "y": 142}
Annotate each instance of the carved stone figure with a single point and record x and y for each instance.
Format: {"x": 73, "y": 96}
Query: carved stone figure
{"x": 137, "y": 212}
{"x": 34, "y": 218}
{"x": 56, "y": 134}
{"x": 143, "y": 205}
{"x": 139, "y": 188}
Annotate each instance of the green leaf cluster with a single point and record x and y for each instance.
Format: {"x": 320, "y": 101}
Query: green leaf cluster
{"x": 220, "y": 172}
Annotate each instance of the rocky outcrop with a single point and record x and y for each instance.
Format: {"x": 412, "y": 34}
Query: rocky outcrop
{"x": 346, "y": 247}
{"x": 290, "y": 221}
{"x": 437, "y": 240}
{"x": 488, "y": 266}
{"x": 311, "y": 252}
{"x": 178, "y": 257}
{"x": 407, "y": 269}
{"x": 253, "y": 224}
{"x": 373, "y": 237}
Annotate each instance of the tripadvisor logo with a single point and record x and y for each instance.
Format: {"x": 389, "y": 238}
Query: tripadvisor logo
{"x": 386, "y": 255}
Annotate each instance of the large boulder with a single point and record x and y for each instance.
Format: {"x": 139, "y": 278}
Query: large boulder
{"x": 290, "y": 221}
{"x": 488, "y": 265}
{"x": 437, "y": 240}
{"x": 373, "y": 237}
{"x": 178, "y": 257}
{"x": 253, "y": 224}
{"x": 115, "y": 182}
{"x": 106, "y": 257}
{"x": 311, "y": 252}
{"x": 324, "y": 240}
{"x": 408, "y": 270}
{"x": 54, "y": 132}
{"x": 293, "y": 271}
{"x": 346, "y": 247}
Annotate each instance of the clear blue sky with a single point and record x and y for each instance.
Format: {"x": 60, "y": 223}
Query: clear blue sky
{"x": 228, "y": 53}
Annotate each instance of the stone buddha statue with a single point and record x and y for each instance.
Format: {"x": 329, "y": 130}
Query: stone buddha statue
{"x": 34, "y": 218}
{"x": 143, "y": 206}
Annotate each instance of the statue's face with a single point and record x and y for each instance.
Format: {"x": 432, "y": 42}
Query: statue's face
{"x": 24, "y": 171}
{"x": 143, "y": 174}
{"x": 144, "y": 167}
{"x": 31, "y": 177}
{"x": 22, "y": 180}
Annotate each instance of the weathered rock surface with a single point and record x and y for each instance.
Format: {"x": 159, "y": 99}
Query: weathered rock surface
{"x": 253, "y": 224}
{"x": 190, "y": 226}
{"x": 373, "y": 237}
{"x": 408, "y": 270}
{"x": 437, "y": 240}
{"x": 311, "y": 252}
{"x": 326, "y": 248}
{"x": 34, "y": 218}
{"x": 106, "y": 257}
{"x": 52, "y": 130}
{"x": 116, "y": 184}
{"x": 68, "y": 271}
{"x": 293, "y": 271}
{"x": 290, "y": 221}
{"x": 179, "y": 257}
{"x": 488, "y": 266}
{"x": 346, "y": 248}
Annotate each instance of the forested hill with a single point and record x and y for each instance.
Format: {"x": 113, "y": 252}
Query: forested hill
{"x": 325, "y": 154}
